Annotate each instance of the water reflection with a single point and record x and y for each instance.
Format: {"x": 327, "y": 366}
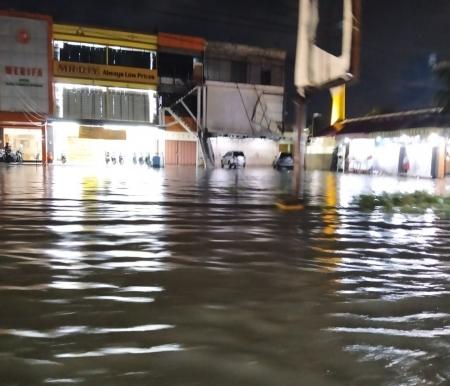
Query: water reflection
{"x": 182, "y": 277}
{"x": 122, "y": 351}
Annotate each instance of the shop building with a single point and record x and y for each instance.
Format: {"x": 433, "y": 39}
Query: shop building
{"x": 102, "y": 91}
{"x": 26, "y": 96}
{"x": 234, "y": 98}
{"x": 180, "y": 89}
{"x": 412, "y": 143}
{"x": 244, "y": 102}
{"x": 105, "y": 84}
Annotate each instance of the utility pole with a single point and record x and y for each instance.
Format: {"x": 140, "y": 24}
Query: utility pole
{"x": 299, "y": 148}
{"x": 295, "y": 201}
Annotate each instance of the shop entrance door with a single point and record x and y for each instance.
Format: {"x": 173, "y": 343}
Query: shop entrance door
{"x": 181, "y": 152}
{"x": 28, "y": 141}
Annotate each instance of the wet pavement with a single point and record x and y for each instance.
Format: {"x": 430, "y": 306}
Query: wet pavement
{"x": 134, "y": 276}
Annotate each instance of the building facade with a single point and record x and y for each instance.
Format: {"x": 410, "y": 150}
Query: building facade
{"x": 105, "y": 84}
{"x": 411, "y": 143}
{"x": 237, "y": 100}
{"x": 26, "y": 92}
{"x": 102, "y": 92}
{"x": 180, "y": 86}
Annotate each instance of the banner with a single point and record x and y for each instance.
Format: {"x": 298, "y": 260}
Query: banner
{"x": 25, "y": 83}
{"x": 104, "y": 72}
{"x": 93, "y": 132}
{"x": 328, "y": 43}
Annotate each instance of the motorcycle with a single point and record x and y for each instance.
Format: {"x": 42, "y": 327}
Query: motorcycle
{"x": 107, "y": 158}
{"x": 141, "y": 160}
{"x": 121, "y": 159}
{"x": 8, "y": 156}
{"x": 134, "y": 158}
{"x": 148, "y": 160}
{"x": 19, "y": 156}
{"x": 113, "y": 159}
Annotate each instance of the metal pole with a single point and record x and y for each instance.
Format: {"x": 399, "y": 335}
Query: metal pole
{"x": 44, "y": 143}
{"x": 204, "y": 107}
{"x": 299, "y": 147}
{"x": 199, "y": 109}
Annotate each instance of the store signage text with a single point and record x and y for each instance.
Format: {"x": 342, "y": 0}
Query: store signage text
{"x": 24, "y": 71}
{"x": 104, "y": 72}
{"x": 25, "y": 85}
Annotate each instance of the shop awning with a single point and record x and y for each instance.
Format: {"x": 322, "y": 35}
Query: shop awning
{"x": 389, "y": 122}
{"x": 181, "y": 43}
{"x": 19, "y": 119}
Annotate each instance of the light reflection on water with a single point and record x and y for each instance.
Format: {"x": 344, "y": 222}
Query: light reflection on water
{"x": 183, "y": 277}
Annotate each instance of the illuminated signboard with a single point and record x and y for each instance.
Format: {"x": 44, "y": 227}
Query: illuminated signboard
{"x": 25, "y": 65}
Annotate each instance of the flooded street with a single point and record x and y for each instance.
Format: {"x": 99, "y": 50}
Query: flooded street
{"x": 134, "y": 276}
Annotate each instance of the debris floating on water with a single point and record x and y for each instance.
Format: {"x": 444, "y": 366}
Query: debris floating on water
{"x": 417, "y": 202}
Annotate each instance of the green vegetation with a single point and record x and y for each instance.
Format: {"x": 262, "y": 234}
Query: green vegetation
{"x": 417, "y": 202}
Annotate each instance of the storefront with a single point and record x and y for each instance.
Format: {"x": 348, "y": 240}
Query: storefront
{"x": 83, "y": 144}
{"x": 29, "y": 141}
{"x": 419, "y": 154}
{"x": 26, "y": 93}
{"x": 414, "y": 143}
{"x": 105, "y": 96}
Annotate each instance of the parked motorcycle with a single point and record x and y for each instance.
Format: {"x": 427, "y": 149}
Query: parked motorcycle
{"x": 148, "y": 160}
{"x": 121, "y": 159}
{"x": 9, "y": 156}
{"x": 113, "y": 159}
{"x": 107, "y": 158}
{"x": 135, "y": 158}
{"x": 19, "y": 156}
{"x": 141, "y": 160}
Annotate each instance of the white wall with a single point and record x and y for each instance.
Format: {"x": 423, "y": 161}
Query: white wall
{"x": 258, "y": 152}
{"x": 420, "y": 157}
{"x": 321, "y": 145}
{"x": 234, "y": 108}
{"x": 179, "y": 136}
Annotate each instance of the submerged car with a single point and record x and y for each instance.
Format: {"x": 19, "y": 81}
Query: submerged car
{"x": 283, "y": 161}
{"x": 233, "y": 159}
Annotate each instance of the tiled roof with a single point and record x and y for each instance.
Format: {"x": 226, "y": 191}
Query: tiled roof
{"x": 389, "y": 122}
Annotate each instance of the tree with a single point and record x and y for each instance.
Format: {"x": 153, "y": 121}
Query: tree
{"x": 442, "y": 71}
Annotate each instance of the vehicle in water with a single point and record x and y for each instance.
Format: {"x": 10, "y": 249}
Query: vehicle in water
{"x": 233, "y": 159}
{"x": 283, "y": 161}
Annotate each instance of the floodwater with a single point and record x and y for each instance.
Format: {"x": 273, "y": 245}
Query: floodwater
{"x": 133, "y": 276}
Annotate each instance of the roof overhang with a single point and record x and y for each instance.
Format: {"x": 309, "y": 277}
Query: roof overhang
{"x": 388, "y": 122}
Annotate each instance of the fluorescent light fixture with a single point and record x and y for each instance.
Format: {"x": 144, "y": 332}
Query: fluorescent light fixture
{"x": 60, "y": 44}
{"x": 434, "y": 139}
{"x": 135, "y": 90}
{"x": 117, "y": 48}
{"x": 64, "y": 125}
{"x": 70, "y": 86}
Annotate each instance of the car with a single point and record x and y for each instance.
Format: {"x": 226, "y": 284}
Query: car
{"x": 283, "y": 161}
{"x": 233, "y": 159}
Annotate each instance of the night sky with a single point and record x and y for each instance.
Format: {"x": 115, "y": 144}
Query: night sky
{"x": 398, "y": 38}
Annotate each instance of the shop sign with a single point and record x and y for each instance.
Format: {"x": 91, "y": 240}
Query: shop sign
{"x": 104, "y": 72}
{"x": 95, "y": 132}
{"x": 25, "y": 82}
